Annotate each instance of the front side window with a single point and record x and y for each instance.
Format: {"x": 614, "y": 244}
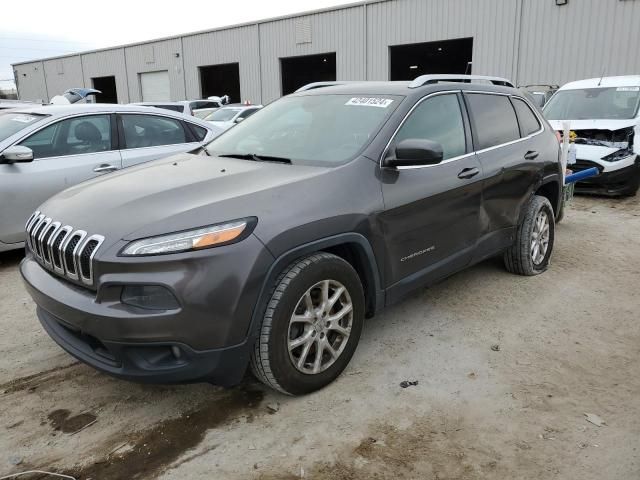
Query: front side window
{"x": 141, "y": 131}
{"x": 493, "y": 120}
{"x": 528, "y": 121}
{"x": 12, "y": 123}
{"x": 309, "y": 129}
{"x": 438, "y": 119}
{"x": 611, "y": 103}
{"x": 73, "y": 136}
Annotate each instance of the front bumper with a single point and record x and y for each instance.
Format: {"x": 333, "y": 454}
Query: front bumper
{"x": 623, "y": 181}
{"x": 206, "y": 338}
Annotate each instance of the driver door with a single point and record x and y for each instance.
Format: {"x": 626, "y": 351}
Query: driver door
{"x": 432, "y": 212}
{"x": 65, "y": 153}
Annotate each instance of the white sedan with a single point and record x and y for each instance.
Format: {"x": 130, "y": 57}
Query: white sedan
{"x": 227, "y": 116}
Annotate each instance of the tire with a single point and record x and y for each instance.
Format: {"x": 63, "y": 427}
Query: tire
{"x": 522, "y": 258}
{"x": 277, "y": 359}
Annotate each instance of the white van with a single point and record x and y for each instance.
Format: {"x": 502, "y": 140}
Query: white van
{"x": 605, "y": 124}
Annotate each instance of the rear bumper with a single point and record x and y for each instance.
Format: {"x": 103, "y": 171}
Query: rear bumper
{"x": 612, "y": 183}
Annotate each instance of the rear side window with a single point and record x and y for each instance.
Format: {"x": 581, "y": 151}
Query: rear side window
{"x": 200, "y": 132}
{"x": 173, "y": 108}
{"x": 142, "y": 131}
{"x": 438, "y": 119}
{"x": 493, "y": 119}
{"x": 526, "y": 118}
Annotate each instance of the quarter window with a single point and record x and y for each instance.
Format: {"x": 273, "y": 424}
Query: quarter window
{"x": 439, "y": 119}
{"x": 142, "y": 131}
{"x": 494, "y": 120}
{"x": 526, "y": 118}
{"x": 199, "y": 131}
{"x": 74, "y": 136}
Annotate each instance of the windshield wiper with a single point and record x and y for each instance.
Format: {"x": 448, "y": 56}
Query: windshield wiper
{"x": 256, "y": 158}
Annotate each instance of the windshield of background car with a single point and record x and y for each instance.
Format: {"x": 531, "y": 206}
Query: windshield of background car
{"x": 223, "y": 115}
{"x": 12, "y": 123}
{"x": 312, "y": 129}
{"x": 613, "y": 103}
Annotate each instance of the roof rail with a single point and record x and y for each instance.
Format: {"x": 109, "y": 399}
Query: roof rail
{"x": 314, "y": 85}
{"x": 431, "y": 79}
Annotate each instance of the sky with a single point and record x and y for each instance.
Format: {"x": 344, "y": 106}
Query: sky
{"x": 48, "y": 28}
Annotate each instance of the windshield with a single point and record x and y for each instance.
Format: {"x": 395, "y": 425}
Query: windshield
{"x": 223, "y": 115}
{"x": 313, "y": 129}
{"x": 11, "y": 123}
{"x": 594, "y": 103}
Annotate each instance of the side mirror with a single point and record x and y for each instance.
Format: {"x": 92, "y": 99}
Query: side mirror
{"x": 16, "y": 154}
{"x": 239, "y": 119}
{"x": 413, "y": 152}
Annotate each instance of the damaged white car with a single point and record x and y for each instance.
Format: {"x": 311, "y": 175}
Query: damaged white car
{"x": 605, "y": 127}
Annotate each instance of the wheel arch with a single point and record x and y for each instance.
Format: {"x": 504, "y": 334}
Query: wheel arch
{"x": 551, "y": 189}
{"x": 354, "y": 248}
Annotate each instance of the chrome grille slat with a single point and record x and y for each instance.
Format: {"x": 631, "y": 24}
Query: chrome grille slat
{"x": 61, "y": 248}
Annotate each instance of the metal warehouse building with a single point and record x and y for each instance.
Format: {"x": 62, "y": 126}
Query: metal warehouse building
{"x": 528, "y": 41}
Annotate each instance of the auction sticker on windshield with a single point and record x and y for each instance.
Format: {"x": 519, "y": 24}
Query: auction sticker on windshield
{"x": 628, "y": 89}
{"x": 370, "y": 102}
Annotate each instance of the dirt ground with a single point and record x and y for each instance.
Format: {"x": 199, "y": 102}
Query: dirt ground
{"x": 507, "y": 369}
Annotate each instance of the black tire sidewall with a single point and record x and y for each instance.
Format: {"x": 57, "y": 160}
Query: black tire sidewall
{"x": 286, "y": 374}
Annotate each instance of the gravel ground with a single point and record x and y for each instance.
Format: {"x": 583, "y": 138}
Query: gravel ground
{"x": 507, "y": 369}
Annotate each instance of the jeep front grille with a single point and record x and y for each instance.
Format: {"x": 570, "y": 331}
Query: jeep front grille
{"x": 61, "y": 248}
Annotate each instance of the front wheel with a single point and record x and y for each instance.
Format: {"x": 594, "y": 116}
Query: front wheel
{"x": 311, "y": 326}
{"x": 531, "y": 251}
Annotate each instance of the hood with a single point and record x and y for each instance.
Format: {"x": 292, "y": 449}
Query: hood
{"x": 594, "y": 124}
{"x": 180, "y": 192}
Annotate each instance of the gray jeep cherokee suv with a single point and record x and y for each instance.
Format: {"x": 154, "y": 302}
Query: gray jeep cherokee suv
{"x": 271, "y": 245}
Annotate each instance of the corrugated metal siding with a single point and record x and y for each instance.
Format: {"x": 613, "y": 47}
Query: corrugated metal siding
{"x": 529, "y": 41}
{"x": 340, "y": 31}
{"x": 491, "y": 23}
{"x": 62, "y": 74}
{"x": 107, "y": 63}
{"x": 582, "y": 39}
{"x": 235, "y": 45}
{"x": 154, "y": 57}
{"x": 31, "y": 82}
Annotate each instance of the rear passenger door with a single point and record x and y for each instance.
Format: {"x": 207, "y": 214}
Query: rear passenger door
{"x": 146, "y": 137}
{"x": 431, "y": 217}
{"x": 506, "y": 156}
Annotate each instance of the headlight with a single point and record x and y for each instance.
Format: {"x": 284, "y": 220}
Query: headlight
{"x": 197, "y": 239}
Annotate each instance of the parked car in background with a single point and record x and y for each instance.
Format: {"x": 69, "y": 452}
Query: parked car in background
{"x": 186, "y": 107}
{"x": 9, "y": 104}
{"x": 45, "y": 149}
{"x": 201, "y": 113}
{"x": 227, "y": 116}
{"x": 539, "y": 94}
{"x": 604, "y": 118}
{"x": 272, "y": 245}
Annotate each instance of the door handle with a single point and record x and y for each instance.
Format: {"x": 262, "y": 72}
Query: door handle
{"x": 468, "y": 173}
{"x": 104, "y": 168}
{"x": 531, "y": 155}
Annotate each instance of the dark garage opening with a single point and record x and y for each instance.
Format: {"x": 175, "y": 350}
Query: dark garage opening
{"x": 446, "y": 56}
{"x": 219, "y": 80}
{"x": 107, "y": 85}
{"x": 298, "y": 71}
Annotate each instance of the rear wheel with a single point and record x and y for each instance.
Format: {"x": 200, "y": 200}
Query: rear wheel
{"x": 531, "y": 251}
{"x": 311, "y": 326}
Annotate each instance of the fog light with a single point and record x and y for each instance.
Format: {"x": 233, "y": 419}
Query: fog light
{"x": 150, "y": 297}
